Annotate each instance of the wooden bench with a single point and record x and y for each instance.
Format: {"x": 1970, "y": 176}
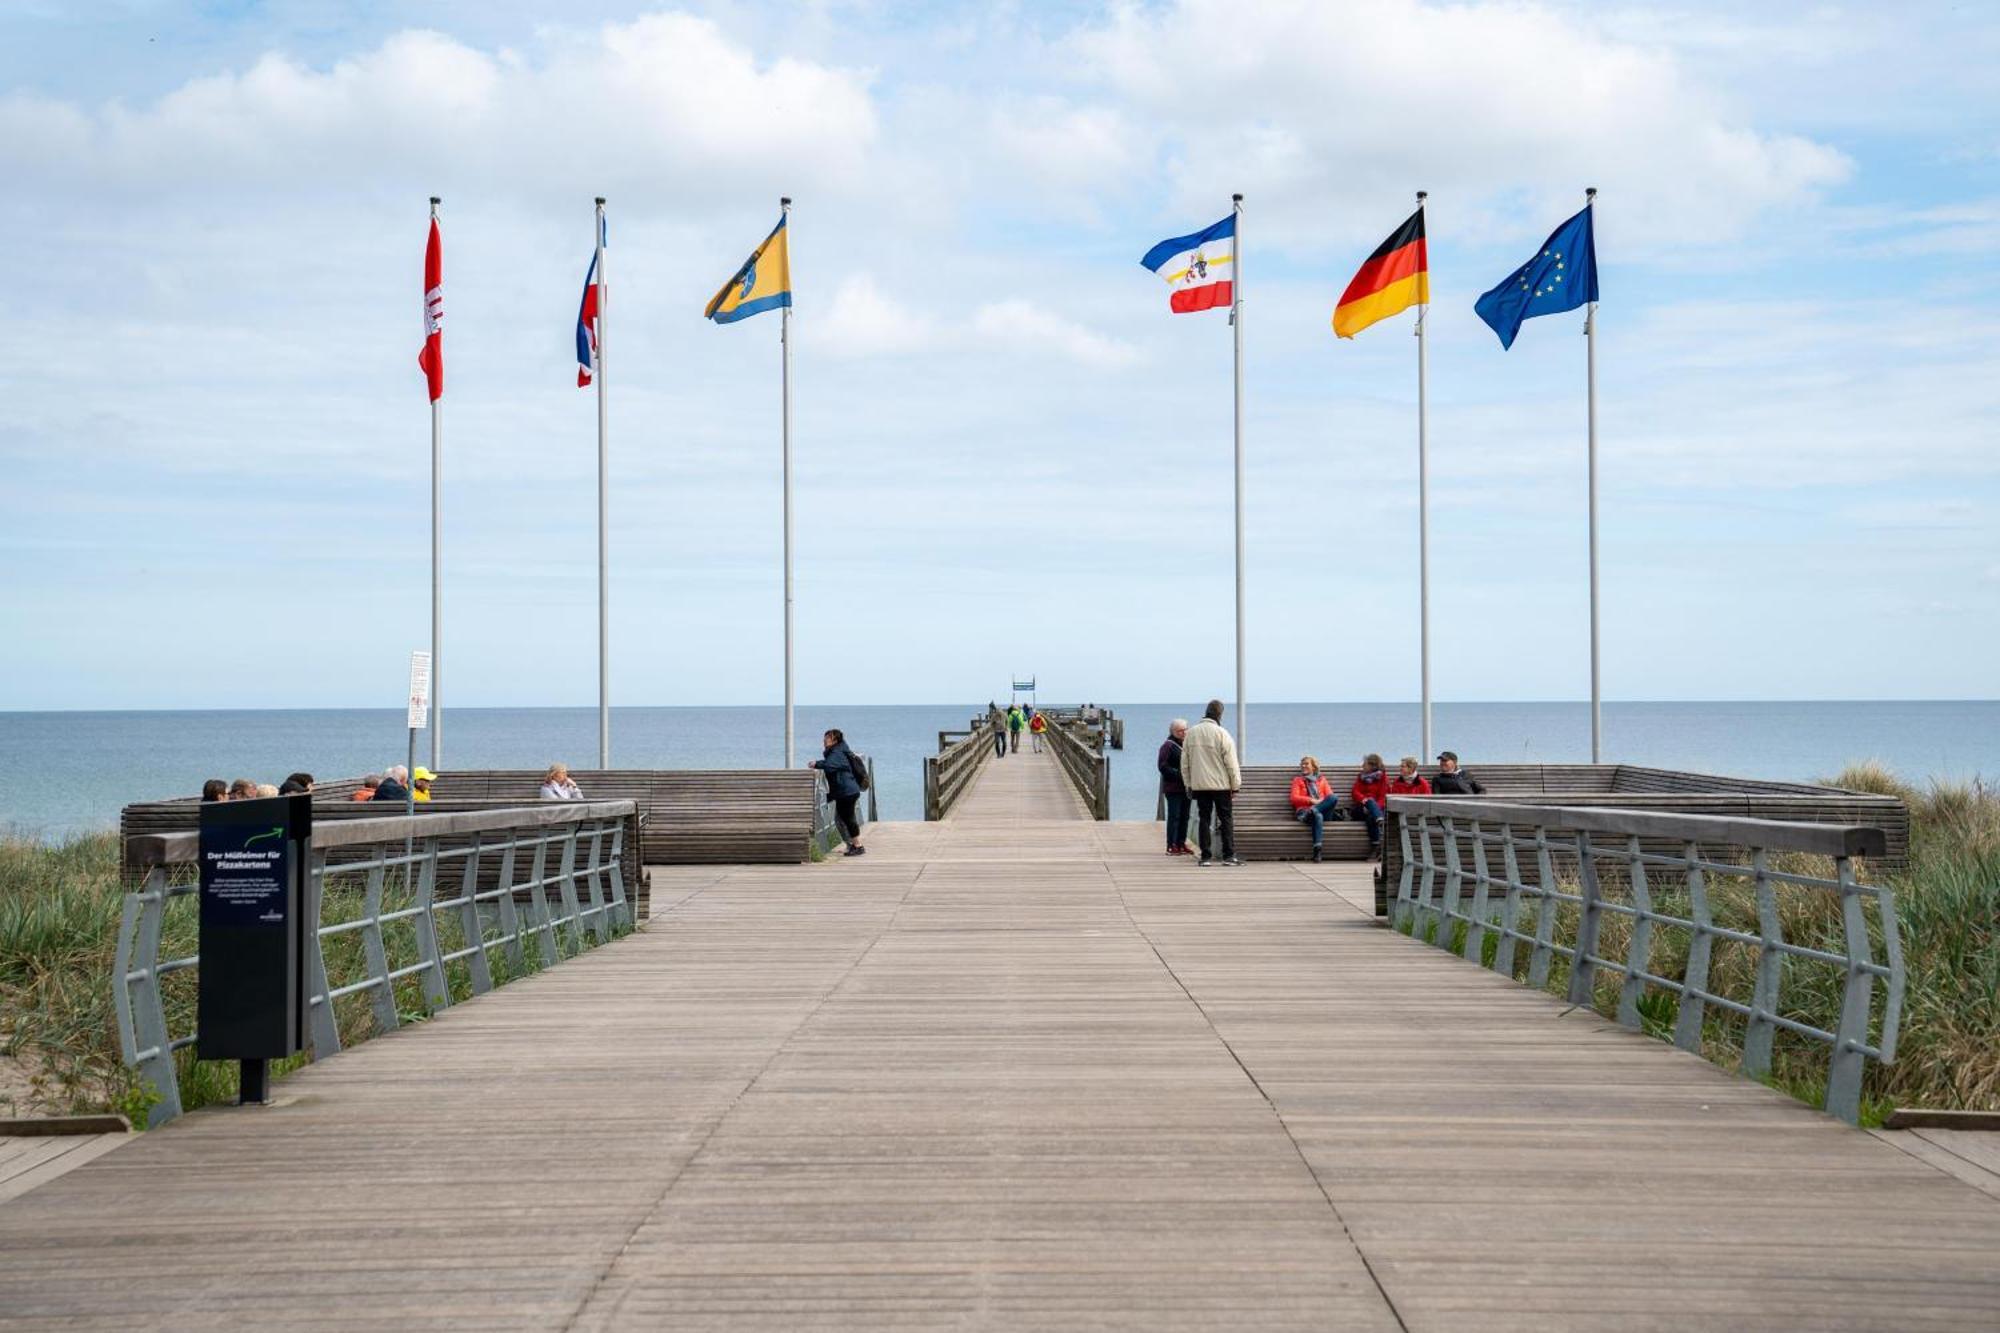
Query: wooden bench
{"x": 1267, "y": 831}
{"x": 693, "y": 816}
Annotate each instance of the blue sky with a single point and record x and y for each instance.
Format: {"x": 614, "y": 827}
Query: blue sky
{"x": 214, "y": 438}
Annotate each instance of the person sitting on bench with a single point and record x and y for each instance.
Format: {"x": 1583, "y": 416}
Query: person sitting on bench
{"x": 1453, "y": 780}
{"x": 1371, "y": 797}
{"x": 1313, "y": 800}
{"x": 1409, "y": 782}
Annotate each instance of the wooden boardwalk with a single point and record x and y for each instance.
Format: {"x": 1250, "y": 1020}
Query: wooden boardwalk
{"x": 1012, "y": 1070}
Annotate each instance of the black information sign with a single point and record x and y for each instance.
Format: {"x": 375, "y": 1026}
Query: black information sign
{"x": 254, "y": 858}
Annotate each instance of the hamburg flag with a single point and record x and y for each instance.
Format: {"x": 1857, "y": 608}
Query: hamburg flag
{"x": 586, "y": 321}
{"x": 1394, "y": 278}
{"x": 1561, "y": 276}
{"x": 432, "y": 357}
{"x": 1200, "y": 267}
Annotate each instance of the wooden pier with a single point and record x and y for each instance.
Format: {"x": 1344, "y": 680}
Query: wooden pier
{"x": 1012, "y": 1069}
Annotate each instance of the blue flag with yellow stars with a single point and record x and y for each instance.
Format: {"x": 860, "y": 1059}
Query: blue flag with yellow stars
{"x": 1561, "y": 276}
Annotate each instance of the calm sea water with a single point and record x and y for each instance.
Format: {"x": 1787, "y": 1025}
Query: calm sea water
{"x": 63, "y": 773}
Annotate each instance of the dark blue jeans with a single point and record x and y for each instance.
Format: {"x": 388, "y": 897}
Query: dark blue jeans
{"x": 1177, "y": 819}
{"x": 1372, "y": 813}
{"x": 1317, "y": 815}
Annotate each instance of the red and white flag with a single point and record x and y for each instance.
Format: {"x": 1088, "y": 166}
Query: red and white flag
{"x": 432, "y": 357}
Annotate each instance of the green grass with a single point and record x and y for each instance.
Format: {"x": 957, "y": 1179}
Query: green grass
{"x": 59, "y": 912}
{"x": 1948, "y": 910}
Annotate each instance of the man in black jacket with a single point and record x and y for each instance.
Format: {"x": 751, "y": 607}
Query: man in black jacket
{"x": 1453, "y": 780}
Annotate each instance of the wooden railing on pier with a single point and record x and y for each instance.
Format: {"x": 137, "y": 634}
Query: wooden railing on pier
{"x": 1079, "y": 750}
{"x": 948, "y": 774}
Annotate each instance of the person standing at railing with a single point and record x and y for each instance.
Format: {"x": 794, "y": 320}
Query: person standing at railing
{"x": 1314, "y": 800}
{"x": 1213, "y": 776}
{"x": 420, "y": 784}
{"x": 392, "y": 788}
{"x": 1371, "y": 797}
{"x": 1172, "y": 789}
{"x": 844, "y": 784}
{"x": 1037, "y": 725}
{"x": 558, "y": 786}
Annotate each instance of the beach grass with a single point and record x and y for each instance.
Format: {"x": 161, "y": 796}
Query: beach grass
{"x": 59, "y": 912}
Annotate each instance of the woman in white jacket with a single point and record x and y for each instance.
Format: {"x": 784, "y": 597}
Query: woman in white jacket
{"x": 556, "y": 785}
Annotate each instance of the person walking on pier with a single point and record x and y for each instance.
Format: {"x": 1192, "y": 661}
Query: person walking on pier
{"x": 843, "y": 783}
{"x": 1314, "y": 800}
{"x": 1172, "y": 789}
{"x": 1212, "y": 774}
{"x": 1371, "y": 798}
{"x": 1017, "y": 722}
{"x": 1037, "y": 725}
{"x": 997, "y": 720}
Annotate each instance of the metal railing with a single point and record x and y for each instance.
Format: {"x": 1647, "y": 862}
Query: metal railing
{"x": 1565, "y": 891}
{"x": 949, "y": 773}
{"x": 575, "y": 851}
{"x": 1079, "y": 752}
{"x": 826, "y": 831}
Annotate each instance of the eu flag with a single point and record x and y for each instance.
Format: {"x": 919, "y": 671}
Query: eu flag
{"x": 1561, "y": 276}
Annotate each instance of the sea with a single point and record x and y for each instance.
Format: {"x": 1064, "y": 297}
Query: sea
{"x": 66, "y": 773}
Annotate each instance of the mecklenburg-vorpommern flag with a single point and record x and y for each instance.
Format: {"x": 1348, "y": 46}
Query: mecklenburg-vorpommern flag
{"x": 1561, "y": 276}
{"x": 1394, "y": 278}
{"x": 763, "y": 283}
{"x": 1199, "y": 268}
{"x": 586, "y": 322}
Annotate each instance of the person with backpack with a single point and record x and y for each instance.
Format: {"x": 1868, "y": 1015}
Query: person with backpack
{"x": 1037, "y": 727}
{"x": 1017, "y": 722}
{"x": 846, "y": 779}
{"x": 996, "y": 721}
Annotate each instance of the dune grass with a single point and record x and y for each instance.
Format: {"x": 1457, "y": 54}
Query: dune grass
{"x": 59, "y": 911}
{"x": 1948, "y": 910}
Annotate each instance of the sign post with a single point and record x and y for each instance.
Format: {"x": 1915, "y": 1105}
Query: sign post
{"x": 256, "y": 924}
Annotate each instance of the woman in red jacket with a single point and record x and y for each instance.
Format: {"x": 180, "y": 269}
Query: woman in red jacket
{"x": 1409, "y": 782}
{"x": 1371, "y": 797}
{"x": 1313, "y": 800}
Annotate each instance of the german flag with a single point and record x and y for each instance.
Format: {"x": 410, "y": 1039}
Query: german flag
{"x": 1396, "y": 277}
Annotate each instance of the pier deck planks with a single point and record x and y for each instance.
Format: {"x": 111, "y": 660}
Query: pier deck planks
{"x": 1014, "y": 1069}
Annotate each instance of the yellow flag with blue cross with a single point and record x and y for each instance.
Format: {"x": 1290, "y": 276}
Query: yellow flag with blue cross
{"x": 763, "y": 282}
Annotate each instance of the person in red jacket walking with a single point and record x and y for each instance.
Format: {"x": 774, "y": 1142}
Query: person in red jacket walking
{"x": 1313, "y": 800}
{"x": 1370, "y": 794}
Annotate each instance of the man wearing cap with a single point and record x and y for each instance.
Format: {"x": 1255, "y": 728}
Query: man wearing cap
{"x": 1451, "y": 779}
{"x": 420, "y": 783}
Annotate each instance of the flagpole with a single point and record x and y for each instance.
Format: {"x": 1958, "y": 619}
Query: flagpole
{"x": 1590, "y": 363}
{"x": 603, "y": 509}
{"x": 437, "y": 693}
{"x": 785, "y": 339}
{"x": 1424, "y": 512}
{"x": 1236, "y": 327}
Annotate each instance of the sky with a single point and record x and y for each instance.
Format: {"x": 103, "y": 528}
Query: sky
{"x": 1009, "y": 457}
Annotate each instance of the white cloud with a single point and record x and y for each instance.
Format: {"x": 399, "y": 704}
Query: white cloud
{"x": 1087, "y": 149}
{"x": 667, "y": 107}
{"x": 862, "y": 320}
{"x": 1320, "y": 112}
{"x": 1022, "y": 324}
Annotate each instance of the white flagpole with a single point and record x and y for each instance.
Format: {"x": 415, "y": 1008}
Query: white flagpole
{"x": 785, "y": 338}
{"x": 603, "y": 582}
{"x": 1590, "y": 362}
{"x": 1423, "y": 514}
{"x": 1236, "y": 327}
{"x": 437, "y": 655}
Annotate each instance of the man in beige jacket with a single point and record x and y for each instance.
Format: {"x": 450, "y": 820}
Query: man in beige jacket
{"x": 1209, "y": 767}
